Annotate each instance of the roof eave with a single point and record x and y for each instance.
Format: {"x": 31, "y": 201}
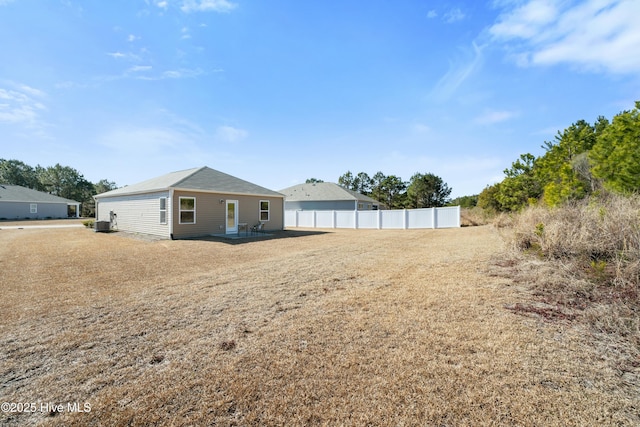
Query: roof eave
{"x": 192, "y": 190}
{"x": 233, "y": 193}
{"x": 131, "y": 193}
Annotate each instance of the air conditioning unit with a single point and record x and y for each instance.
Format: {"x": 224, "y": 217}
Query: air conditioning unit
{"x": 103, "y": 226}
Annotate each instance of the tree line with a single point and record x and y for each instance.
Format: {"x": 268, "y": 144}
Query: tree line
{"x": 421, "y": 191}
{"x": 62, "y": 181}
{"x": 583, "y": 159}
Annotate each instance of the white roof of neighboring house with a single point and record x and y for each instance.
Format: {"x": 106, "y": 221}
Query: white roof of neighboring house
{"x": 196, "y": 179}
{"x": 323, "y": 191}
{"x": 16, "y": 193}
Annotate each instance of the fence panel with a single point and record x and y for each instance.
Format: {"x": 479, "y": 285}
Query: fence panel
{"x": 305, "y": 219}
{"x": 324, "y": 219}
{"x": 448, "y": 217}
{"x": 391, "y": 219}
{"x": 368, "y": 219}
{"x": 345, "y": 219}
{"x": 290, "y": 218}
{"x": 420, "y": 218}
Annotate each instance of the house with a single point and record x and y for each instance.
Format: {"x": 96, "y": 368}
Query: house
{"x": 18, "y": 202}
{"x": 191, "y": 203}
{"x": 326, "y": 196}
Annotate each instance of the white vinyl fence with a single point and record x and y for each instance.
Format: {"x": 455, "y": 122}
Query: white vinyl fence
{"x": 399, "y": 219}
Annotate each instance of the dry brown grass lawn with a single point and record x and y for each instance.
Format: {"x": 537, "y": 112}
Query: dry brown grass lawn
{"x": 348, "y": 327}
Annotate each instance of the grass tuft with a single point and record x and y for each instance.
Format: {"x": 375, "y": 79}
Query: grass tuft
{"x": 582, "y": 263}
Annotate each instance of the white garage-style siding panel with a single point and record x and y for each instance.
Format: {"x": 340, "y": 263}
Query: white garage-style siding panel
{"x": 137, "y": 213}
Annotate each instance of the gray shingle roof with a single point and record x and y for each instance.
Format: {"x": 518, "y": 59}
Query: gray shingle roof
{"x": 200, "y": 179}
{"x": 16, "y": 193}
{"x": 323, "y": 191}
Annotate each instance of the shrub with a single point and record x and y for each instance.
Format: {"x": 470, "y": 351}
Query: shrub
{"x": 599, "y": 229}
{"x": 475, "y": 216}
{"x": 589, "y": 263}
{"x": 89, "y": 223}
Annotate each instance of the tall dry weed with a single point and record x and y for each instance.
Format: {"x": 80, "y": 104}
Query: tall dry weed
{"x": 470, "y": 217}
{"x": 587, "y": 264}
{"x": 602, "y": 230}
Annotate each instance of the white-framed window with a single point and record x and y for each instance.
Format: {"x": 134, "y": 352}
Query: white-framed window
{"x": 34, "y": 207}
{"x": 187, "y": 210}
{"x": 264, "y": 210}
{"x": 163, "y": 210}
{"x": 360, "y": 205}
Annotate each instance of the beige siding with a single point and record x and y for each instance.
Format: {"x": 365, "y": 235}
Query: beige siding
{"x": 210, "y": 213}
{"x": 138, "y": 213}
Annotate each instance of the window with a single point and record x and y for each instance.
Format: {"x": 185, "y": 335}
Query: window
{"x": 34, "y": 208}
{"x": 264, "y": 210}
{"x": 163, "y": 210}
{"x": 187, "y": 210}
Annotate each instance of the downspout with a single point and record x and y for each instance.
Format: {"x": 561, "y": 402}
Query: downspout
{"x": 170, "y": 219}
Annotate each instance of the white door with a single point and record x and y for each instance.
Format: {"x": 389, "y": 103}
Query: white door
{"x": 232, "y": 217}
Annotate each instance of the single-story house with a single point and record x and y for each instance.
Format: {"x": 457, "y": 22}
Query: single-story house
{"x": 191, "y": 203}
{"x": 326, "y": 196}
{"x": 18, "y": 202}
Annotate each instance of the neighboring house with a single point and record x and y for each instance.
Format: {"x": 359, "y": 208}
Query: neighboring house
{"x": 326, "y": 196}
{"x": 191, "y": 203}
{"x": 18, "y": 202}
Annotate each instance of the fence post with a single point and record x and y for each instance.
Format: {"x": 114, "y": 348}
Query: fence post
{"x": 405, "y": 219}
{"x": 334, "y": 221}
{"x": 355, "y": 219}
{"x": 434, "y": 218}
{"x": 379, "y": 219}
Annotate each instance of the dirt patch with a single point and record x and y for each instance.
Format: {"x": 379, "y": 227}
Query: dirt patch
{"x": 349, "y": 327}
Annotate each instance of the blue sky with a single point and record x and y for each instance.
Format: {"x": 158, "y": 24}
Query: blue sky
{"x": 279, "y": 91}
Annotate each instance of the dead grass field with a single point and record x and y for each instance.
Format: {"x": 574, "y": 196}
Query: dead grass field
{"x": 348, "y": 327}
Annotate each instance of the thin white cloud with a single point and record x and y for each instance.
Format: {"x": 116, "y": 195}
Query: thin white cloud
{"x": 31, "y": 91}
{"x": 231, "y": 134}
{"x": 182, "y": 73}
{"x": 493, "y": 117}
{"x": 526, "y": 21}
{"x": 598, "y": 35}
{"x": 453, "y": 15}
{"x": 140, "y": 68}
{"x": 144, "y": 72}
{"x": 432, "y": 14}
{"x": 21, "y": 105}
{"x": 458, "y": 73}
{"x": 131, "y": 38}
{"x": 221, "y": 6}
{"x": 128, "y": 56}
